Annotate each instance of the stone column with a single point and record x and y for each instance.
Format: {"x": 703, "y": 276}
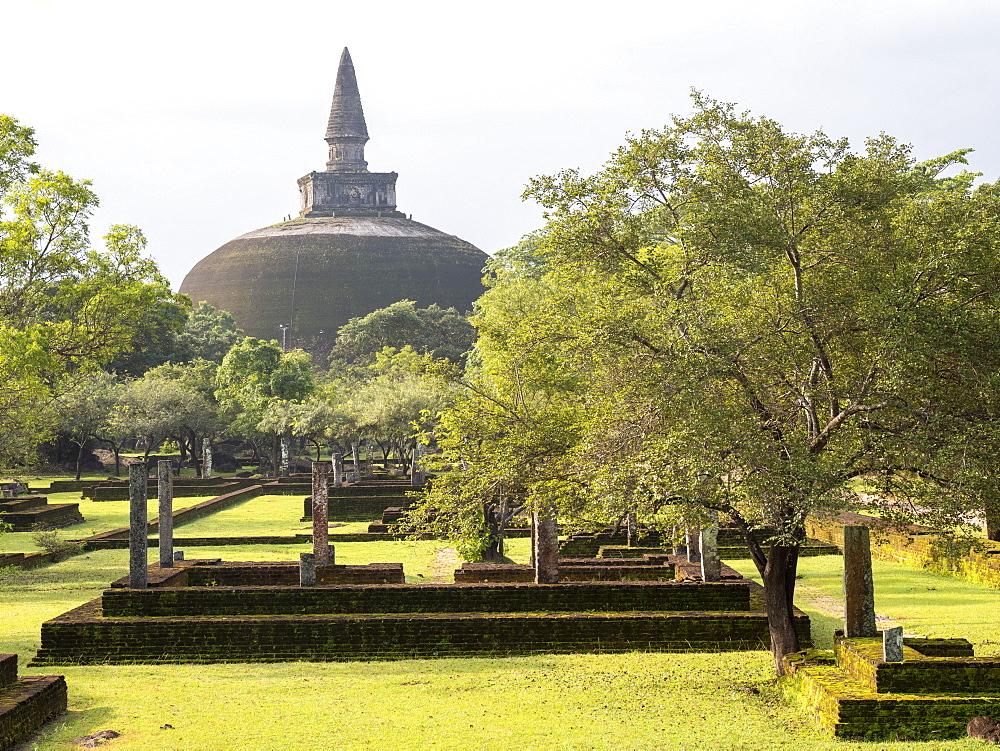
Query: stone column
{"x": 693, "y": 539}
{"x": 356, "y": 473}
{"x": 206, "y": 459}
{"x": 546, "y": 548}
{"x": 338, "y": 470}
{"x": 165, "y": 486}
{"x": 137, "y": 537}
{"x": 307, "y": 570}
{"x": 859, "y": 588}
{"x": 320, "y": 506}
{"x": 417, "y": 476}
{"x": 534, "y": 537}
{"x": 370, "y": 463}
{"x": 711, "y": 566}
{"x": 286, "y": 450}
{"x": 892, "y": 644}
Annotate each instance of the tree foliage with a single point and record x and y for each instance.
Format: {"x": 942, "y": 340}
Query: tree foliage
{"x": 65, "y": 307}
{"x": 440, "y": 332}
{"x": 734, "y": 318}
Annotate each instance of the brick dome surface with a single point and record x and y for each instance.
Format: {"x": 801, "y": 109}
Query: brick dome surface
{"x": 317, "y": 273}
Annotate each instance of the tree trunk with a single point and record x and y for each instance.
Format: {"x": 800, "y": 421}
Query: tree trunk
{"x": 118, "y": 459}
{"x": 79, "y": 458}
{"x": 993, "y": 522}
{"x": 493, "y": 518}
{"x": 779, "y": 592}
{"x": 275, "y": 452}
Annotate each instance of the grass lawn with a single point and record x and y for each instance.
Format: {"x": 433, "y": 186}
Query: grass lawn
{"x": 641, "y": 701}
{"x": 99, "y": 516}
{"x": 263, "y": 515}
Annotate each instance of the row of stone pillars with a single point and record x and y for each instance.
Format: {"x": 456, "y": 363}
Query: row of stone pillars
{"x": 138, "y": 533}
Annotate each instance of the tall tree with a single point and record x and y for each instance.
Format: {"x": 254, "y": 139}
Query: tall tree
{"x": 759, "y": 318}
{"x": 65, "y": 307}
{"x": 255, "y": 385}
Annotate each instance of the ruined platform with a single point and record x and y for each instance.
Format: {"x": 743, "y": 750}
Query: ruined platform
{"x": 28, "y": 512}
{"x": 26, "y": 703}
{"x": 933, "y": 693}
{"x": 210, "y": 613}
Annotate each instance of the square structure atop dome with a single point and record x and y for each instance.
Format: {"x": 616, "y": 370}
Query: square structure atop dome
{"x": 348, "y": 194}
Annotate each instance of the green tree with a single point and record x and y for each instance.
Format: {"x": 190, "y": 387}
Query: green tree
{"x": 758, "y": 319}
{"x": 64, "y": 306}
{"x": 198, "y": 377}
{"x": 208, "y": 334}
{"x": 155, "y": 408}
{"x": 84, "y": 408}
{"x": 255, "y": 386}
{"x": 440, "y": 332}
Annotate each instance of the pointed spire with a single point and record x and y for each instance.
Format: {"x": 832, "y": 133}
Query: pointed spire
{"x": 346, "y": 131}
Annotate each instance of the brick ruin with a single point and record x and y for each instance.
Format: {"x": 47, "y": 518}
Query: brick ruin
{"x": 932, "y": 692}
{"x": 26, "y": 703}
{"x": 209, "y": 611}
{"x": 27, "y": 512}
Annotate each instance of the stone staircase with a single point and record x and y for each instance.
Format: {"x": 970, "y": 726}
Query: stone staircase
{"x": 225, "y": 622}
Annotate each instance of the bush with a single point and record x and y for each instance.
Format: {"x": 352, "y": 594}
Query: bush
{"x": 51, "y": 542}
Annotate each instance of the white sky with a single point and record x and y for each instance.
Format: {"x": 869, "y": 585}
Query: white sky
{"x": 194, "y": 119}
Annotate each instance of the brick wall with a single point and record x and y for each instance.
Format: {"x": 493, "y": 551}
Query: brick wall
{"x": 231, "y": 599}
{"x": 82, "y": 637}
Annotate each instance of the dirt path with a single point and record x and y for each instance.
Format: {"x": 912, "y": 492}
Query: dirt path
{"x": 834, "y": 606}
{"x": 443, "y": 566}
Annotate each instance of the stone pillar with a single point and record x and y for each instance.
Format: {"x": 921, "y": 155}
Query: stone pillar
{"x": 708, "y": 544}
{"x": 165, "y": 527}
{"x": 859, "y": 588}
{"x": 631, "y": 530}
{"x": 680, "y": 547}
{"x": 178, "y": 555}
{"x": 370, "y": 463}
{"x": 356, "y": 473}
{"x": 546, "y": 548}
{"x": 338, "y": 470}
{"x": 693, "y": 539}
{"x": 307, "y": 570}
{"x": 286, "y": 450}
{"x": 892, "y": 644}
{"x": 206, "y": 459}
{"x": 320, "y": 505}
{"x": 417, "y": 476}
{"x": 137, "y": 538}
{"x": 332, "y": 552}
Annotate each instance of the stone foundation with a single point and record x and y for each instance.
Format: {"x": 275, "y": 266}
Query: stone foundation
{"x": 26, "y": 703}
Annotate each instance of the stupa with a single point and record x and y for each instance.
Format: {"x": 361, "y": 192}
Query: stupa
{"x": 348, "y": 253}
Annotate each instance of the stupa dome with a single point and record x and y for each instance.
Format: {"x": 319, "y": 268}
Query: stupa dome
{"x": 350, "y": 252}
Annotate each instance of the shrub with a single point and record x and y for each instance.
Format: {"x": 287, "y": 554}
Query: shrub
{"x": 51, "y": 542}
